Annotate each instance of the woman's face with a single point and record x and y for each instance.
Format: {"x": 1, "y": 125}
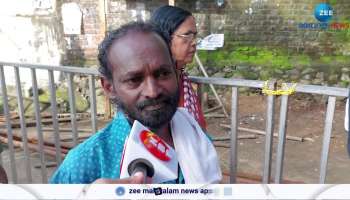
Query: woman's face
{"x": 183, "y": 42}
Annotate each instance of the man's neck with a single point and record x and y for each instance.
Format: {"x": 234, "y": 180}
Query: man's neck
{"x": 164, "y": 133}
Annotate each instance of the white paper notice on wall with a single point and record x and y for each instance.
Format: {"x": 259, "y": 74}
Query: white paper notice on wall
{"x": 71, "y": 17}
{"x": 211, "y": 42}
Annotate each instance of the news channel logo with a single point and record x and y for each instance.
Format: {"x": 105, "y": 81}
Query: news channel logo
{"x": 323, "y": 12}
{"x": 120, "y": 191}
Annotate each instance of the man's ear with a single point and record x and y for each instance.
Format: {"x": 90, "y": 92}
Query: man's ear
{"x": 108, "y": 87}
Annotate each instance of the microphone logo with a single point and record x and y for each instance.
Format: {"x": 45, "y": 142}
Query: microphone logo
{"x": 155, "y": 145}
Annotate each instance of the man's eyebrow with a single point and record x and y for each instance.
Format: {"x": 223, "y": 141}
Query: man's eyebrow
{"x": 132, "y": 74}
{"x": 129, "y": 74}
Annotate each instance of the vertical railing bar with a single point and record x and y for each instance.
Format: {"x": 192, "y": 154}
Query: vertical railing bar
{"x": 327, "y": 138}
{"x": 38, "y": 125}
{"x": 54, "y": 116}
{"x": 8, "y": 124}
{"x": 281, "y": 138}
{"x": 93, "y": 103}
{"x": 23, "y": 124}
{"x": 72, "y": 108}
{"x": 201, "y": 67}
{"x": 234, "y": 133}
{"x": 200, "y": 94}
{"x": 269, "y": 135}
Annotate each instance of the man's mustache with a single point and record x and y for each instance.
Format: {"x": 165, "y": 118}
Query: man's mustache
{"x": 152, "y": 102}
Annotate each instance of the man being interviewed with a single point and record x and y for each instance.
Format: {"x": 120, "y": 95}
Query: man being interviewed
{"x": 139, "y": 77}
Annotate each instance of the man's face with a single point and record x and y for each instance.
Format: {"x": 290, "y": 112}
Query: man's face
{"x": 144, "y": 81}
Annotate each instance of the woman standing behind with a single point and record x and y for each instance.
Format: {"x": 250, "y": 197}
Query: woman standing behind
{"x": 178, "y": 26}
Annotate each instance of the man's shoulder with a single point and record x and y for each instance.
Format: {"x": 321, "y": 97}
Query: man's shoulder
{"x": 114, "y": 132}
{"x": 85, "y": 162}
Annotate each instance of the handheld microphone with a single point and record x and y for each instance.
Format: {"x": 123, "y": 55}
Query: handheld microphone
{"x": 141, "y": 165}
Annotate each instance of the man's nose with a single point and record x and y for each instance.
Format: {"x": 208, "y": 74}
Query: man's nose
{"x": 151, "y": 89}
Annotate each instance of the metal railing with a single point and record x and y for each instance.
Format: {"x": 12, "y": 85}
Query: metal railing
{"x": 331, "y": 92}
{"x": 71, "y": 71}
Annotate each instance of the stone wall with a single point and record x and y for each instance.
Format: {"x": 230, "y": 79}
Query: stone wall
{"x": 263, "y": 40}
{"x": 269, "y": 23}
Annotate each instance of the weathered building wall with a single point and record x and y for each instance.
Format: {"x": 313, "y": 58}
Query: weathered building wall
{"x": 263, "y": 40}
{"x": 269, "y": 22}
{"x": 30, "y": 32}
{"x": 100, "y": 16}
{"x": 262, "y": 37}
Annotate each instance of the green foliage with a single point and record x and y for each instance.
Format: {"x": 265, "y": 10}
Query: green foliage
{"x": 256, "y": 62}
{"x": 62, "y": 97}
{"x": 340, "y": 59}
{"x": 246, "y": 55}
{"x": 326, "y": 59}
{"x": 302, "y": 60}
{"x": 332, "y": 2}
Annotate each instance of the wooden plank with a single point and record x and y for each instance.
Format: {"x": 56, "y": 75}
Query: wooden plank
{"x": 289, "y": 137}
{"x": 31, "y": 123}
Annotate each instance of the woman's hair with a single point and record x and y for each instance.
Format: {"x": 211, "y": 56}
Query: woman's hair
{"x": 168, "y": 19}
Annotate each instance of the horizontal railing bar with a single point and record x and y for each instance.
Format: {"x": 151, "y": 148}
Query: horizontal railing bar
{"x": 228, "y": 82}
{"x": 81, "y": 70}
{"x": 314, "y": 89}
{"x": 319, "y": 89}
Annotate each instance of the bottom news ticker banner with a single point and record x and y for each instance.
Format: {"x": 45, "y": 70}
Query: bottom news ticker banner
{"x": 157, "y": 191}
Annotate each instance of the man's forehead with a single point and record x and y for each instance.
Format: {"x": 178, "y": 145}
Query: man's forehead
{"x": 139, "y": 40}
{"x": 138, "y": 48}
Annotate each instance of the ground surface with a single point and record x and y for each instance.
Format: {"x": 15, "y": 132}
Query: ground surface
{"x": 302, "y": 159}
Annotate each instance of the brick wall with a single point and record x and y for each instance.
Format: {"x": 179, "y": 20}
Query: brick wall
{"x": 82, "y": 48}
{"x": 253, "y": 22}
{"x": 268, "y": 22}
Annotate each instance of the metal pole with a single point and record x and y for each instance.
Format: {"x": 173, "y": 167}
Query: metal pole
{"x": 93, "y": 103}
{"x": 72, "y": 108}
{"x": 281, "y": 138}
{"x": 54, "y": 116}
{"x": 234, "y": 133}
{"x": 38, "y": 126}
{"x": 327, "y": 138}
{"x": 269, "y": 135}
{"x": 211, "y": 85}
{"x": 8, "y": 125}
{"x": 23, "y": 125}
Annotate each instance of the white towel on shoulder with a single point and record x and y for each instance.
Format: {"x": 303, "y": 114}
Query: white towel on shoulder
{"x": 195, "y": 152}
